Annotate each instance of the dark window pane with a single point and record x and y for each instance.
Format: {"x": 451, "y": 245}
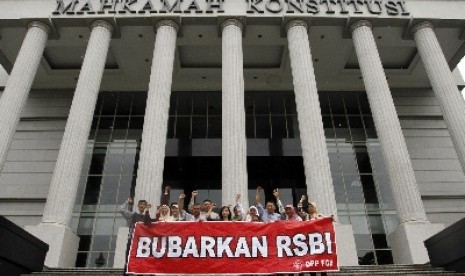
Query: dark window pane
{"x": 341, "y": 127}
{"x": 135, "y": 128}
{"x": 138, "y": 104}
{"x": 170, "y": 131}
{"x": 121, "y": 122}
{"x": 324, "y": 104}
{"x": 84, "y": 242}
{"x": 328, "y": 127}
{"x": 104, "y": 129}
{"x": 351, "y": 104}
{"x": 92, "y": 190}
{"x": 384, "y": 257}
{"x": 96, "y": 165}
{"x": 250, "y": 126}
{"x": 369, "y": 189}
{"x": 276, "y": 103}
{"x": 214, "y": 127}
{"x": 356, "y": 128}
{"x": 200, "y": 103}
{"x": 93, "y": 128}
{"x": 183, "y": 128}
{"x": 364, "y": 105}
{"x": 369, "y": 127}
{"x": 81, "y": 260}
{"x": 214, "y": 103}
{"x": 124, "y": 103}
{"x": 363, "y": 161}
{"x": 337, "y": 105}
{"x": 278, "y": 123}
{"x": 109, "y": 104}
{"x": 184, "y": 104}
{"x": 263, "y": 126}
{"x": 199, "y": 127}
{"x": 379, "y": 240}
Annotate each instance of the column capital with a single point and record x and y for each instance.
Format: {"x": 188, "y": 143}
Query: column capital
{"x": 167, "y": 22}
{"x": 233, "y": 22}
{"x": 102, "y": 23}
{"x": 296, "y": 23}
{"x": 39, "y": 24}
{"x": 421, "y": 25}
{"x": 360, "y": 23}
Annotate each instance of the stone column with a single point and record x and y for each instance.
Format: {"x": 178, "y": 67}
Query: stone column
{"x": 409, "y": 205}
{"x": 443, "y": 83}
{"x": 19, "y": 83}
{"x": 314, "y": 151}
{"x": 61, "y": 198}
{"x": 233, "y": 140}
{"x": 152, "y": 154}
{"x": 313, "y": 142}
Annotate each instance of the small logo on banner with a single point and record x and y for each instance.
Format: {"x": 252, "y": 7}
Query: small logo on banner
{"x": 298, "y": 265}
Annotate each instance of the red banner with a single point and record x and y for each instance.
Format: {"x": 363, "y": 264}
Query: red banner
{"x": 233, "y": 247}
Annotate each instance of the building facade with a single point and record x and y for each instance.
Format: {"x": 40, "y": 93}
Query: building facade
{"x": 352, "y": 103}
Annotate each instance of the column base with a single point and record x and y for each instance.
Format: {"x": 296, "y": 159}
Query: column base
{"x": 63, "y": 243}
{"x": 120, "y": 249}
{"x": 407, "y": 241}
{"x": 345, "y": 242}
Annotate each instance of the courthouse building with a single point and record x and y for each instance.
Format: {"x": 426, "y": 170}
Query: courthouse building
{"x": 352, "y": 102}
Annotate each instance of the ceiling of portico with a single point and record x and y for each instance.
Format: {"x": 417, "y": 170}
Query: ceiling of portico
{"x": 197, "y": 64}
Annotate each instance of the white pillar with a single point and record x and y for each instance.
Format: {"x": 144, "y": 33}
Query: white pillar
{"x": 56, "y": 220}
{"x": 409, "y": 205}
{"x": 233, "y": 140}
{"x": 152, "y": 154}
{"x": 444, "y": 86}
{"x": 313, "y": 142}
{"x": 314, "y": 151}
{"x": 19, "y": 83}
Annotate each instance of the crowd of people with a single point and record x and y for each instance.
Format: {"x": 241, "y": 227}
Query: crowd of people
{"x": 272, "y": 211}
{"x": 304, "y": 211}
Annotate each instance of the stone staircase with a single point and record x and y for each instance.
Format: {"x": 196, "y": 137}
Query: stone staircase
{"x": 347, "y": 270}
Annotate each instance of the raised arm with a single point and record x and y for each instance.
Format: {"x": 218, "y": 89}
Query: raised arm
{"x": 257, "y": 195}
{"x": 147, "y": 218}
{"x": 125, "y": 209}
{"x": 239, "y": 208}
{"x": 278, "y": 201}
{"x": 181, "y": 203}
{"x": 193, "y": 196}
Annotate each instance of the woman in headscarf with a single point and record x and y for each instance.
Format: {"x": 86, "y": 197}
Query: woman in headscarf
{"x": 164, "y": 213}
{"x": 312, "y": 212}
{"x": 252, "y": 214}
